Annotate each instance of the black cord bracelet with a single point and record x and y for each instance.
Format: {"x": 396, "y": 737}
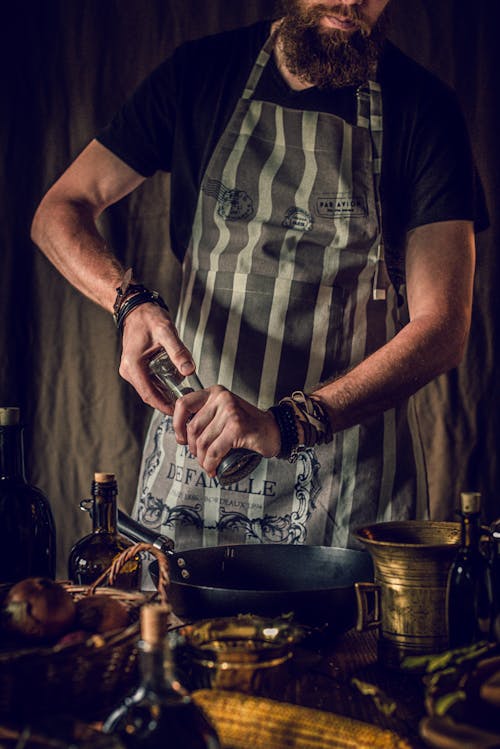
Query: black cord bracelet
{"x": 285, "y": 419}
{"x": 123, "y": 294}
{"x": 131, "y": 302}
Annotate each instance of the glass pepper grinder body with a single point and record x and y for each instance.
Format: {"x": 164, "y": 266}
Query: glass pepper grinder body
{"x": 239, "y": 462}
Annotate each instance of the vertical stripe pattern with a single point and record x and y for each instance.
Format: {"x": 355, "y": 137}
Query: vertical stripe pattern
{"x": 285, "y": 285}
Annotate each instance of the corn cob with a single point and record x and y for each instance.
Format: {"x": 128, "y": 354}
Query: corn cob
{"x": 244, "y": 721}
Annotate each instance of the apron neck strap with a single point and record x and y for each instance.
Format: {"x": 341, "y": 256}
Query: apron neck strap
{"x": 369, "y": 115}
{"x": 258, "y": 67}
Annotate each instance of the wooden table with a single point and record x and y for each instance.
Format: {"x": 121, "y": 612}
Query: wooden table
{"x": 322, "y": 678}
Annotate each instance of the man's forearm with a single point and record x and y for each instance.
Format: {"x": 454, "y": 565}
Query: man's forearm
{"x": 64, "y": 226}
{"x": 67, "y": 234}
{"x": 440, "y": 261}
{"x": 409, "y": 361}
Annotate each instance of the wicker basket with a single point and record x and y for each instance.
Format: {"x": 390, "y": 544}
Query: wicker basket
{"x": 84, "y": 679}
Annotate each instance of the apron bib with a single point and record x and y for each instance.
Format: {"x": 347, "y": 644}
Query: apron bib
{"x": 285, "y": 286}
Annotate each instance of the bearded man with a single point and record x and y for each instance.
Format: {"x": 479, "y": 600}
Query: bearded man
{"x": 323, "y": 210}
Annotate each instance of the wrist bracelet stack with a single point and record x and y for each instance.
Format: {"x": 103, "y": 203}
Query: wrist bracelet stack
{"x": 129, "y": 296}
{"x": 285, "y": 419}
{"x": 310, "y": 414}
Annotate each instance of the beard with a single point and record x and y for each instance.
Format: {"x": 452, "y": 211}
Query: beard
{"x": 329, "y": 58}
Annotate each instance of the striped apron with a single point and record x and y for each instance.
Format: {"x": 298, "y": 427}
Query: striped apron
{"x": 284, "y": 286}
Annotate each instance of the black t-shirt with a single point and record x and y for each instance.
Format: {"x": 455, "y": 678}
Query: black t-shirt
{"x": 176, "y": 117}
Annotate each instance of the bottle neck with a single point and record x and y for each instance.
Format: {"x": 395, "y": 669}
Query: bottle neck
{"x": 495, "y": 544}
{"x": 156, "y": 668}
{"x": 11, "y": 453}
{"x": 104, "y": 510}
{"x": 471, "y": 530}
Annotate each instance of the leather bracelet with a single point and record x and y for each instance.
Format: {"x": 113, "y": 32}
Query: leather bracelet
{"x": 133, "y": 288}
{"x": 289, "y": 436}
{"x": 312, "y": 416}
{"x": 124, "y": 290}
{"x": 131, "y": 302}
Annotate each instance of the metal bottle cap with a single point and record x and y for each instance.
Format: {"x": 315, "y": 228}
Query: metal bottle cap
{"x": 470, "y": 502}
{"x": 10, "y": 416}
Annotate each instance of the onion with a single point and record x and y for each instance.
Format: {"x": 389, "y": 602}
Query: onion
{"x": 100, "y": 614}
{"x": 39, "y": 609}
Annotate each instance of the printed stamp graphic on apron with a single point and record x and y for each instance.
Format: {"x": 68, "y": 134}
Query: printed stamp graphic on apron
{"x": 231, "y": 204}
{"x": 285, "y": 286}
{"x": 298, "y": 218}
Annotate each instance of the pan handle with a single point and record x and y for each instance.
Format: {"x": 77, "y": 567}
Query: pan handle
{"x": 137, "y": 532}
{"x": 368, "y": 618}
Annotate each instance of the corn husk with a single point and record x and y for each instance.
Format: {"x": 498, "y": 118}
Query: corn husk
{"x": 244, "y": 721}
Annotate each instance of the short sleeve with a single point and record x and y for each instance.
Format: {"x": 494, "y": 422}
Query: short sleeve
{"x": 444, "y": 184}
{"x": 141, "y": 133}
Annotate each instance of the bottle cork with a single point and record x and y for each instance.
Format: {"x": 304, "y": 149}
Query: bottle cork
{"x": 154, "y": 623}
{"x": 470, "y": 502}
{"x": 103, "y": 478}
{"x": 9, "y": 416}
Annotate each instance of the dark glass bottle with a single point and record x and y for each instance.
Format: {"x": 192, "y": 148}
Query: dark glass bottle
{"x": 495, "y": 579}
{"x": 27, "y": 530}
{"x": 468, "y": 597}
{"x": 159, "y": 714}
{"x": 239, "y": 462}
{"x": 94, "y": 553}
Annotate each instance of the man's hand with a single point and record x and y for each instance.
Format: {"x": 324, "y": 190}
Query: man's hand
{"x": 210, "y": 421}
{"x": 147, "y": 329}
{"x": 214, "y": 420}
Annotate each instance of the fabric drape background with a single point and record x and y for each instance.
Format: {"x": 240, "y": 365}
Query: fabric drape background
{"x": 66, "y": 66}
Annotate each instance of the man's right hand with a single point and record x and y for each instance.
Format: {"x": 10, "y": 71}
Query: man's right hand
{"x": 65, "y": 229}
{"x": 147, "y": 329}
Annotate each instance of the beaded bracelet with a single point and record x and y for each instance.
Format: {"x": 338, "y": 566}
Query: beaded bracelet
{"x": 285, "y": 419}
{"x": 301, "y": 409}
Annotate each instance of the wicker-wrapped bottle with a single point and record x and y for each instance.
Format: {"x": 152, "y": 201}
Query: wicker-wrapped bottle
{"x": 159, "y": 713}
{"x": 27, "y": 530}
{"x": 91, "y": 556}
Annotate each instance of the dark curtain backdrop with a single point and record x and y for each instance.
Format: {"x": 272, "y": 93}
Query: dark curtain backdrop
{"x": 66, "y": 65}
